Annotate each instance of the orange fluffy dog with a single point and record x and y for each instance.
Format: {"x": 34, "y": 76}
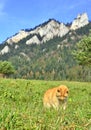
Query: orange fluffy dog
{"x": 56, "y": 97}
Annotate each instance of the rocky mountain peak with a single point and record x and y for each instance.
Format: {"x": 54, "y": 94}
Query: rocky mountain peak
{"x": 51, "y": 29}
{"x": 80, "y": 21}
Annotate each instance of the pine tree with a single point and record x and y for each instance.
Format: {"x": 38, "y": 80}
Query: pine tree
{"x": 83, "y": 52}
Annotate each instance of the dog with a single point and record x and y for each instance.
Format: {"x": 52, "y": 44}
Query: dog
{"x": 56, "y": 97}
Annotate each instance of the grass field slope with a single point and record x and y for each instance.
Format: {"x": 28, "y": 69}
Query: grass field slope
{"x": 21, "y": 106}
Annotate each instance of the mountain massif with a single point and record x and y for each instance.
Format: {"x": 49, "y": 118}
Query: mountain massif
{"x": 45, "y": 52}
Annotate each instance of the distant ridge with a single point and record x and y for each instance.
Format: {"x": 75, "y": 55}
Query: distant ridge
{"x": 45, "y": 52}
{"x": 45, "y": 31}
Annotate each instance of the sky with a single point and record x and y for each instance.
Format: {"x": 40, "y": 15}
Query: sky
{"x": 16, "y": 15}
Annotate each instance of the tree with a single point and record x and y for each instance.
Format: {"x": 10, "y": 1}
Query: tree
{"x": 6, "y": 68}
{"x": 83, "y": 52}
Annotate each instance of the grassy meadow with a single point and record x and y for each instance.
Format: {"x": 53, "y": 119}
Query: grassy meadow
{"x": 21, "y": 106}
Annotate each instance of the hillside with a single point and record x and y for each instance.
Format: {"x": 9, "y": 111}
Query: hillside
{"x": 45, "y": 52}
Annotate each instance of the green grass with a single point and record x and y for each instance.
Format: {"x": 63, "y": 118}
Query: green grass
{"x": 21, "y": 106}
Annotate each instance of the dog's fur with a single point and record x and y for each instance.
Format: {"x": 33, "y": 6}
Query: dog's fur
{"x": 56, "y": 97}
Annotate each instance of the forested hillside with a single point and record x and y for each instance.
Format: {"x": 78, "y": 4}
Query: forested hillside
{"x": 52, "y": 60}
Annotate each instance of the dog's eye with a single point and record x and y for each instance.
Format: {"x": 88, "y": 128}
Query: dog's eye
{"x": 67, "y": 92}
{"x": 58, "y": 90}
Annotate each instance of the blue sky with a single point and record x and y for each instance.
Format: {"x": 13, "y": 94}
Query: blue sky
{"x": 21, "y": 14}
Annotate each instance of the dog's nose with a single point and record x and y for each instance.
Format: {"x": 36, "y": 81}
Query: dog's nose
{"x": 62, "y": 98}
